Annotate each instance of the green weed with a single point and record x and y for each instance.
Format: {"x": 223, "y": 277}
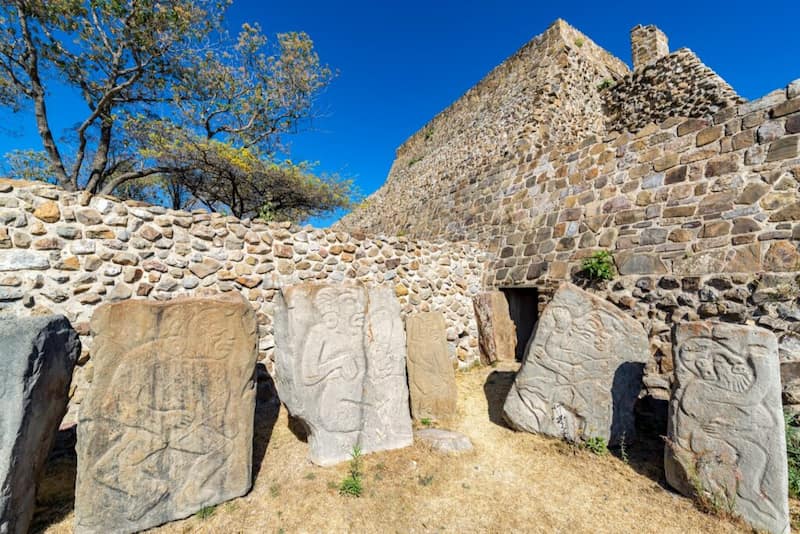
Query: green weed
{"x": 352, "y": 484}
{"x": 599, "y": 266}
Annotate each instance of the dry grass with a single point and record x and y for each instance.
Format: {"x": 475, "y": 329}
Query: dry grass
{"x": 511, "y": 482}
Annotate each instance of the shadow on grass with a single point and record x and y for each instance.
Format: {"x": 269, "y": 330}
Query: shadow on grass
{"x": 268, "y": 407}
{"x": 645, "y": 453}
{"x": 55, "y": 495}
{"x": 496, "y": 388}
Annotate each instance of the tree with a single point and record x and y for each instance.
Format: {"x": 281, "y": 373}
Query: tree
{"x": 173, "y": 102}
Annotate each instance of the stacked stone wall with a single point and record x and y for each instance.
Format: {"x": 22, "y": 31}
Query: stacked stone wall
{"x": 677, "y": 85}
{"x": 61, "y": 252}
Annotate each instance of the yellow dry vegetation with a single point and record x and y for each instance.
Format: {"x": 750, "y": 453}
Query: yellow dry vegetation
{"x": 510, "y": 482}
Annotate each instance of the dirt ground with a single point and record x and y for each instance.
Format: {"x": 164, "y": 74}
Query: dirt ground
{"x": 510, "y": 482}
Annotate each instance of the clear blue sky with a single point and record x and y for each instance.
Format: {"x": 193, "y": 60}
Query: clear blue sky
{"x": 400, "y": 63}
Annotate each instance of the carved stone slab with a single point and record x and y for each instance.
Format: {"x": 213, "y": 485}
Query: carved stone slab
{"x": 167, "y": 425}
{"x": 431, "y": 378}
{"x": 497, "y": 334}
{"x": 726, "y": 430}
{"x": 582, "y": 371}
{"x": 340, "y": 353}
{"x": 37, "y": 355}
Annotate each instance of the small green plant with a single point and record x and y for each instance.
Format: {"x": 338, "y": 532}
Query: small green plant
{"x": 310, "y": 476}
{"x": 428, "y": 133}
{"x": 274, "y": 490}
{"x": 596, "y": 445}
{"x": 599, "y": 266}
{"x": 414, "y": 160}
{"x": 605, "y": 84}
{"x": 579, "y": 42}
{"x": 793, "y": 454}
{"x": 426, "y": 480}
{"x": 205, "y": 512}
{"x": 352, "y": 484}
{"x": 425, "y": 421}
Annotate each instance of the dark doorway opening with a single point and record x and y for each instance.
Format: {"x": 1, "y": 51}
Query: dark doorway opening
{"x": 523, "y": 306}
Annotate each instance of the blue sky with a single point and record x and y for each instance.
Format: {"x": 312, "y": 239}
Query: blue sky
{"x": 400, "y": 63}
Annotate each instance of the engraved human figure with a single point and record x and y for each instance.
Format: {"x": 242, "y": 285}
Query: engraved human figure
{"x": 171, "y": 417}
{"x": 561, "y": 380}
{"x": 722, "y": 412}
{"x": 333, "y": 357}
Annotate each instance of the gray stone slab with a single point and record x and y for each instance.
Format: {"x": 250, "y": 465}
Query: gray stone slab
{"x": 497, "y": 334}
{"x": 431, "y": 379}
{"x": 726, "y": 431}
{"x": 340, "y": 353}
{"x": 166, "y": 428}
{"x": 37, "y": 356}
{"x": 446, "y": 441}
{"x": 582, "y": 371}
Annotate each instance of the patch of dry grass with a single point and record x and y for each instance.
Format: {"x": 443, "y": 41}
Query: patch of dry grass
{"x": 510, "y": 482}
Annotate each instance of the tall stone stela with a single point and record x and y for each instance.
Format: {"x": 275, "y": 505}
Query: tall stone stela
{"x": 582, "y": 371}
{"x": 340, "y": 353}
{"x": 167, "y": 426}
{"x": 725, "y": 436}
{"x": 431, "y": 380}
{"x": 497, "y": 334}
{"x": 37, "y": 356}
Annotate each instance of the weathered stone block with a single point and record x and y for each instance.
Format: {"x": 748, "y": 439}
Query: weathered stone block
{"x": 37, "y": 355}
{"x": 726, "y": 431}
{"x": 784, "y": 148}
{"x": 340, "y": 353}
{"x": 431, "y": 380}
{"x": 582, "y": 370}
{"x": 497, "y": 334}
{"x": 167, "y": 425}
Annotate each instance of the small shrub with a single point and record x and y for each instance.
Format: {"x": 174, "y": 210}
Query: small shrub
{"x": 428, "y": 133}
{"x": 596, "y": 445}
{"x": 414, "y": 160}
{"x": 352, "y": 484}
{"x": 426, "y": 480}
{"x": 205, "y": 512}
{"x": 599, "y": 266}
{"x": 605, "y": 84}
{"x": 793, "y": 454}
{"x": 425, "y": 421}
{"x": 579, "y": 42}
{"x": 274, "y": 490}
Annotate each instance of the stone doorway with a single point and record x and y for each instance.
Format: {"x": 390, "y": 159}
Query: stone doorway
{"x": 523, "y": 306}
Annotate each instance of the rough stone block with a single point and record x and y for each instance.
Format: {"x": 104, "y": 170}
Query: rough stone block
{"x": 37, "y": 355}
{"x": 582, "y": 371}
{"x": 497, "y": 334}
{"x": 726, "y": 431}
{"x": 445, "y": 441}
{"x": 167, "y": 425}
{"x": 431, "y": 380}
{"x": 340, "y": 354}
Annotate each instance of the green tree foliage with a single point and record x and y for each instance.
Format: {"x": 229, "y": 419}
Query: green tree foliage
{"x": 176, "y": 107}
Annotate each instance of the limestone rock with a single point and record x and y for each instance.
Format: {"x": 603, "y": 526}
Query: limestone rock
{"x": 446, "y": 441}
{"x": 582, "y": 371}
{"x": 497, "y": 334}
{"x": 726, "y": 431}
{"x": 431, "y": 380}
{"x": 37, "y": 356}
{"x": 167, "y": 425}
{"x": 340, "y": 368}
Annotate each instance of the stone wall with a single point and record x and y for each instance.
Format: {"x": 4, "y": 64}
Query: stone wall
{"x": 648, "y": 44}
{"x": 61, "y": 252}
{"x": 677, "y": 85}
{"x": 695, "y": 192}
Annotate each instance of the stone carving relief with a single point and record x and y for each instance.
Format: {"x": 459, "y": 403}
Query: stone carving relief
{"x": 167, "y": 427}
{"x": 581, "y": 372}
{"x": 340, "y": 366}
{"x": 726, "y": 431}
{"x": 431, "y": 378}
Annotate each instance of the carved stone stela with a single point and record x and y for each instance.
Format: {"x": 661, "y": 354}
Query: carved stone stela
{"x": 431, "y": 378}
{"x": 497, "y": 334}
{"x": 340, "y": 353}
{"x": 582, "y": 371}
{"x": 726, "y": 430}
{"x": 167, "y": 426}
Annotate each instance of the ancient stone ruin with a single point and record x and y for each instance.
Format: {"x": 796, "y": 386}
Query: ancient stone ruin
{"x": 167, "y": 426}
{"x": 560, "y": 155}
{"x": 431, "y": 382}
{"x": 726, "y": 438}
{"x": 340, "y": 368}
{"x": 581, "y": 373}
{"x": 37, "y": 355}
